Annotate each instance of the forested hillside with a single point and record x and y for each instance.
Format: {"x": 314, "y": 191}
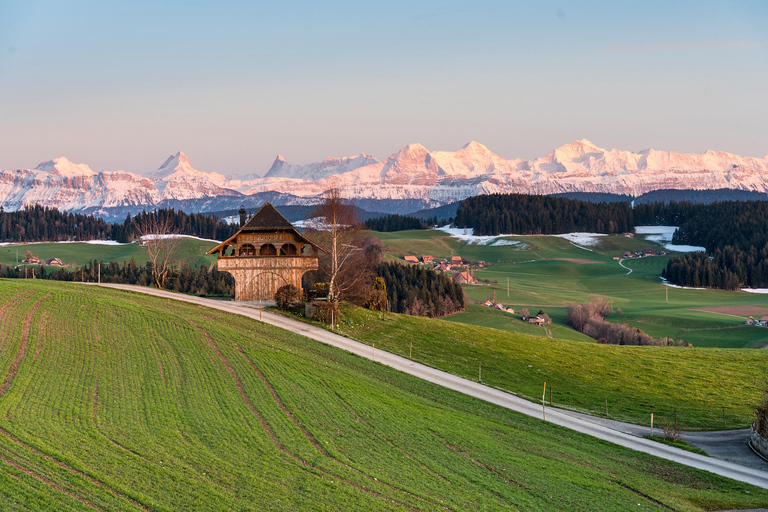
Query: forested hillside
{"x": 735, "y": 234}
{"x": 419, "y": 291}
{"x": 542, "y": 215}
{"x": 43, "y": 224}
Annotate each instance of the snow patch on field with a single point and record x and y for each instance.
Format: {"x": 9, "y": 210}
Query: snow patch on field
{"x": 582, "y": 239}
{"x": 666, "y": 283}
{"x": 660, "y": 234}
{"x": 663, "y": 236}
{"x": 755, "y": 290}
{"x": 156, "y": 237}
{"x": 511, "y": 243}
{"x": 93, "y": 242}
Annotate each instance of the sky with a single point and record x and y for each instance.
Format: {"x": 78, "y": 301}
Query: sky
{"x": 122, "y": 85}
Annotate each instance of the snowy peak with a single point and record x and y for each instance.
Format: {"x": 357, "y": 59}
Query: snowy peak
{"x": 175, "y": 166}
{"x": 63, "y": 167}
{"x": 178, "y": 167}
{"x": 319, "y": 170}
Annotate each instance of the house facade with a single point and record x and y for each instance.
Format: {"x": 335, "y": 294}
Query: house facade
{"x": 265, "y": 254}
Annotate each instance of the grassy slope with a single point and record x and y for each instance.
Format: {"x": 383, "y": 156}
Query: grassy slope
{"x": 538, "y": 281}
{"x": 190, "y": 250}
{"x": 124, "y": 401}
{"x": 637, "y": 381}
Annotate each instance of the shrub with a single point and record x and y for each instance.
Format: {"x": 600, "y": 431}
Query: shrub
{"x": 287, "y": 296}
{"x": 761, "y": 417}
{"x": 324, "y": 312}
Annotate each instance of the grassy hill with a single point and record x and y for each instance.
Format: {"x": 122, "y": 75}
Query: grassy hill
{"x": 636, "y": 381}
{"x": 191, "y": 250}
{"x": 547, "y": 272}
{"x": 115, "y": 401}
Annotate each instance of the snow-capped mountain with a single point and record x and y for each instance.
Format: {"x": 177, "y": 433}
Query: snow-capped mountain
{"x": 413, "y": 176}
{"x": 317, "y": 171}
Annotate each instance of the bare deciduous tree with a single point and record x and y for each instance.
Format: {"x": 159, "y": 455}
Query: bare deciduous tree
{"x": 337, "y": 229}
{"x": 161, "y": 242}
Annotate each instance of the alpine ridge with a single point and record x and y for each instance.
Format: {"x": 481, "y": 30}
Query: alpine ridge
{"x": 412, "y": 178}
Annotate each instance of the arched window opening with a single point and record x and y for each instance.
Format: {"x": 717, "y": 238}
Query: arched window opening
{"x": 228, "y": 251}
{"x": 267, "y": 250}
{"x": 247, "y": 250}
{"x": 307, "y": 250}
{"x": 288, "y": 250}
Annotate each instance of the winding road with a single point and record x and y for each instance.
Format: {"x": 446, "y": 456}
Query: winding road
{"x": 621, "y": 434}
{"x": 621, "y": 264}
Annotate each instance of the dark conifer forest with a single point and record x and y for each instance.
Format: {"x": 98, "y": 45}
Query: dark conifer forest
{"x": 396, "y": 222}
{"x": 541, "y": 215}
{"x": 420, "y": 291}
{"x": 43, "y": 224}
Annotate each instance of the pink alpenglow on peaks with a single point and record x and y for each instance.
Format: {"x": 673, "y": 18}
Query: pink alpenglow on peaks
{"x": 63, "y": 167}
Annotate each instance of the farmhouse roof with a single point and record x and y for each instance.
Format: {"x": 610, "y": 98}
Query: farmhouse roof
{"x": 763, "y": 319}
{"x": 267, "y": 218}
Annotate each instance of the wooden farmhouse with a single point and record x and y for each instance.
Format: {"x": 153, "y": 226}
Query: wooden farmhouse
{"x": 265, "y": 254}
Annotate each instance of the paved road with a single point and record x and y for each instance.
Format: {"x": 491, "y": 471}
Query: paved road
{"x": 621, "y": 264}
{"x": 584, "y": 424}
{"x": 728, "y": 445}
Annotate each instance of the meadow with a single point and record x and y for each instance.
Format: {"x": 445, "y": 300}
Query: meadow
{"x": 542, "y": 274}
{"x": 705, "y": 388}
{"x": 117, "y": 401}
{"x": 75, "y": 254}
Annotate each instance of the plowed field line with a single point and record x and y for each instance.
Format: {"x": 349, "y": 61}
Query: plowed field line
{"x": 72, "y": 470}
{"x": 5, "y": 326}
{"x": 270, "y": 431}
{"x": 49, "y": 483}
{"x": 314, "y": 442}
{"x": 478, "y": 463}
{"x": 381, "y": 435}
{"x": 98, "y": 429}
{"x": 22, "y": 348}
{"x": 157, "y": 357}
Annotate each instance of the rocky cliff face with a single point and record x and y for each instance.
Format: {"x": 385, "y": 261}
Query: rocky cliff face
{"x": 414, "y": 175}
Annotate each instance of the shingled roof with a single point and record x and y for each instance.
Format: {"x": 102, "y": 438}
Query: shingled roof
{"x": 268, "y": 218}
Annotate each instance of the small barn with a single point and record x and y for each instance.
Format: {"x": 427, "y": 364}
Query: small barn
{"x": 267, "y": 252}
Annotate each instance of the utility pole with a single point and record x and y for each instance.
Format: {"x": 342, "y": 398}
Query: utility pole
{"x": 507, "y": 287}
{"x": 99, "y": 276}
{"x": 666, "y": 288}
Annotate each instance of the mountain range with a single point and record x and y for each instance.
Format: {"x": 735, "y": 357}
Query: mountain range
{"x": 411, "y": 179}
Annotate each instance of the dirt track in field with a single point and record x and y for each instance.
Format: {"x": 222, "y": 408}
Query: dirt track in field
{"x": 736, "y": 310}
{"x": 578, "y": 261}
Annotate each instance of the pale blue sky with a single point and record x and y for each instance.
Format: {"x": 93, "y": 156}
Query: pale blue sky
{"x": 125, "y": 84}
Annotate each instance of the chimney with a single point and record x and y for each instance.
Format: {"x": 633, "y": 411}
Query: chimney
{"x": 243, "y": 214}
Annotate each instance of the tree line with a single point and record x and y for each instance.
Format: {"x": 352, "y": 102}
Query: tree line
{"x": 496, "y": 214}
{"x": 203, "y": 280}
{"x": 590, "y": 318}
{"x": 735, "y": 236}
{"x": 397, "y": 222}
{"x": 44, "y": 224}
{"x": 420, "y": 291}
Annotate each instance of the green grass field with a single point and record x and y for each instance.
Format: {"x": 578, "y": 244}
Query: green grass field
{"x": 636, "y": 381}
{"x": 538, "y": 280}
{"x": 75, "y": 254}
{"x": 118, "y": 401}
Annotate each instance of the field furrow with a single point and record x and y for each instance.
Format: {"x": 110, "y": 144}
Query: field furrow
{"x": 22, "y": 350}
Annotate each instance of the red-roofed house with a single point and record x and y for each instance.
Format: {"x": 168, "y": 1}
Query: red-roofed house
{"x": 455, "y": 259}
{"x": 463, "y": 278}
{"x": 411, "y": 259}
{"x": 427, "y": 259}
